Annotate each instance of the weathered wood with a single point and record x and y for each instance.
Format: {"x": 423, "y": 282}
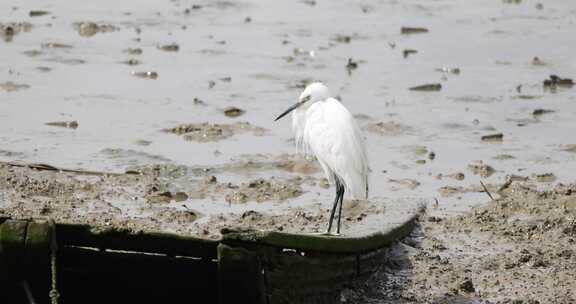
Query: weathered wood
{"x": 37, "y": 243}
{"x": 46, "y": 167}
{"x": 324, "y": 243}
{"x": 151, "y": 242}
{"x": 95, "y": 276}
{"x": 303, "y": 279}
{"x": 12, "y": 239}
{"x": 240, "y": 276}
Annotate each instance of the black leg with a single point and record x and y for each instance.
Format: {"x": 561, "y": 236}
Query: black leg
{"x": 334, "y": 207}
{"x": 340, "y": 209}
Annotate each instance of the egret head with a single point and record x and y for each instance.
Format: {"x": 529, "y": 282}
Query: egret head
{"x": 314, "y": 92}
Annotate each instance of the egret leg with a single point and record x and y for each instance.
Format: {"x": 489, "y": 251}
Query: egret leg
{"x": 340, "y": 210}
{"x": 339, "y": 190}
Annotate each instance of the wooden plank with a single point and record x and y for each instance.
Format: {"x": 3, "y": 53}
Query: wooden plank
{"x": 151, "y": 242}
{"x": 355, "y": 243}
{"x": 94, "y": 276}
{"x": 12, "y": 240}
{"x": 240, "y": 276}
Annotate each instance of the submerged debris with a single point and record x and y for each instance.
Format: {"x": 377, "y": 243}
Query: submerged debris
{"x": 342, "y": 38}
{"x": 64, "y": 124}
{"x": 569, "y": 148}
{"x": 233, "y": 112}
{"x": 10, "y": 86}
{"x": 555, "y": 81}
{"x": 38, "y": 13}
{"x": 131, "y": 61}
{"x": 455, "y": 71}
{"x": 56, "y": 45}
{"x": 537, "y": 61}
{"x": 89, "y": 29}
{"x": 133, "y": 51}
{"x": 482, "y": 169}
{"x": 351, "y": 65}
{"x": 408, "y": 52}
{"x": 493, "y": 137}
{"x": 169, "y": 47}
{"x": 427, "y": 87}
{"x": 32, "y": 53}
{"x": 9, "y": 30}
{"x": 406, "y": 30}
{"x": 149, "y": 74}
{"x": 537, "y": 112}
{"x": 545, "y": 177}
{"x": 206, "y": 132}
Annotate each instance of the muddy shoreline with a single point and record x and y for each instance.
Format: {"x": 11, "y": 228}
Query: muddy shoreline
{"x": 519, "y": 248}
{"x": 177, "y": 100}
{"x": 162, "y": 198}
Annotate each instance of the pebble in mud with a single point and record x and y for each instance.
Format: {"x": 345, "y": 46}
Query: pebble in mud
{"x": 466, "y": 285}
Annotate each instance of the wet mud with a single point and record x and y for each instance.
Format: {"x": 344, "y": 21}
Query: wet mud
{"x": 163, "y": 117}
{"x": 154, "y": 198}
{"x": 519, "y": 248}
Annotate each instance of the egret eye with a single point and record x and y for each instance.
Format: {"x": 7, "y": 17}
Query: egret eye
{"x": 306, "y": 98}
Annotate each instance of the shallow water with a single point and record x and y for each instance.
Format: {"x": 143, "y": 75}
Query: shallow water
{"x": 492, "y": 43}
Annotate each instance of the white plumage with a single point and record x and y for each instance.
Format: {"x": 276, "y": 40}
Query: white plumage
{"x": 323, "y": 127}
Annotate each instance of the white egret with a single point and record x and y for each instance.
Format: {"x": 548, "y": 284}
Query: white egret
{"x": 324, "y": 128}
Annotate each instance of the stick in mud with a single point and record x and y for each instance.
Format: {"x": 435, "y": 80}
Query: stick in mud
{"x": 486, "y": 190}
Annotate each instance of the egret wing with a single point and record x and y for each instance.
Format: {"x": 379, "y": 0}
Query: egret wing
{"x": 332, "y": 135}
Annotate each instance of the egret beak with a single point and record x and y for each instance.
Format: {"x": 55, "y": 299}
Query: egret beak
{"x": 292, "y": 108}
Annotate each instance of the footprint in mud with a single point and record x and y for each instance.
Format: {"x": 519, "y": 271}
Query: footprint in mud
{"x": 285, "y": 162}
{"x": 390, "y": 128}
{"x": 261, "y": 190}
{"x": 89, "y": 29}
{"x": 208, "y": 132}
